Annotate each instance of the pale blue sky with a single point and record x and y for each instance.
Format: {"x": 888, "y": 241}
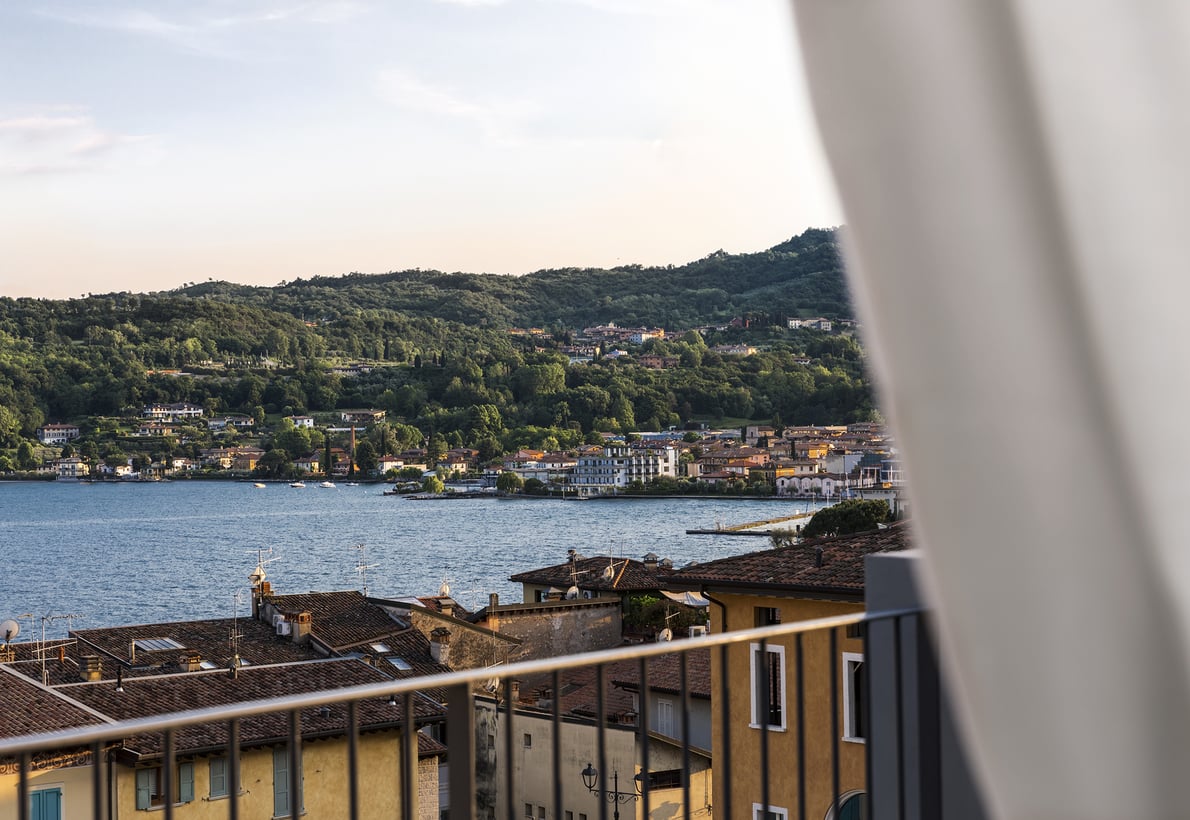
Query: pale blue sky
{"x": 147, "y": 145}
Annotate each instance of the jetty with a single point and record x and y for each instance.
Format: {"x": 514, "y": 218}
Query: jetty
{"x": 750, "y": 527}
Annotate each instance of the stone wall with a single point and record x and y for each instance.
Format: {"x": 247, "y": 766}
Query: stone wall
{"x": 554, "y": 628}
{"x": 427, "y": 789}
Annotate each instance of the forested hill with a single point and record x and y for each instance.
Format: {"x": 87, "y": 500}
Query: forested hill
{"x": 801, "y": 277}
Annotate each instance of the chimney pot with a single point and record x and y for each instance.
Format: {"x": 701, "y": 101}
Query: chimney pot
{"x": 90, "y": 668}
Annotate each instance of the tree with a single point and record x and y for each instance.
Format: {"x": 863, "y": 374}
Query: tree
{"x": 433, "y": 485}
{"x": 436, "y": 449}
{"x": 853, "y": 515}
{"x": 509, "y": 482}
{"x": 273, "y": 464}
{"x": 365, "y": 457}
{"x": 26, "y": 458}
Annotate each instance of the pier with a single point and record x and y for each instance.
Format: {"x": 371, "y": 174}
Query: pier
{"x": 750, "y": 527}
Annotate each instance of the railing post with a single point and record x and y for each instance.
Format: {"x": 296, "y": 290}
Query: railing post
{"x": 460, "y": 743}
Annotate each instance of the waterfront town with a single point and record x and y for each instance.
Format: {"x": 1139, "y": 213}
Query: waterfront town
{"x": 678, "y": 731}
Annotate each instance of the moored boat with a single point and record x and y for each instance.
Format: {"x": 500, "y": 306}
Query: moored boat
{"x": 299, "y": 484}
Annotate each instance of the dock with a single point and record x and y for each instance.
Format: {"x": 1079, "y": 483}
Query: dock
{"x": 750, "y": 527}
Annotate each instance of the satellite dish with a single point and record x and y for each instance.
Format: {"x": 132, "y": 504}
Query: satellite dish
{"x": 609, "y": 572}
{"x": 572, "y": 593}
{"x": 257, "y": 577}
{"x": 11, "y": 629}
{"x": 444, "y": 590}
{"x": 666, "y": 634}
{"x": 491, "y": 685}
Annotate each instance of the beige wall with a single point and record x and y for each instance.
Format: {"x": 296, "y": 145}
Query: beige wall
{"x": 74, "y": 782}
{"x": 783, "y": 745}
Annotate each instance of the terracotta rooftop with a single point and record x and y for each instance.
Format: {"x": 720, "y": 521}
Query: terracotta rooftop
{"x": 665, "y": 673}
{"x": 601, "y": 573}
{"x": 579, "y": 693}
{"x": 147, "y": 696}
{"x": 798, "y": 568}
{"x": 29, "y": 709}
{"x": 339, "y": 618}
{"x": 210, "y": 639}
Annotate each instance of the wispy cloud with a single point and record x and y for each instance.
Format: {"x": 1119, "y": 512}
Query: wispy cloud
{"x": 54, "y": 142}
{"x": 199, "y": 26}
{"x": 497, "y": 119}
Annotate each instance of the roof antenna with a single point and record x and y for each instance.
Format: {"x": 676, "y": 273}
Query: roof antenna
{"x": 233, "y": 639}
{"x": 361, "y": 567}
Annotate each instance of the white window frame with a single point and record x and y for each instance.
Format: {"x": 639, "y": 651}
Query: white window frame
{"x": 758, "y": 812}
{"x": 852, "y": 706}
{"x": 665, "y": 717}
{"x": 757, "y": 708}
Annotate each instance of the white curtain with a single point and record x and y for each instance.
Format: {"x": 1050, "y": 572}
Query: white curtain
{"x": 1015, "y": 177}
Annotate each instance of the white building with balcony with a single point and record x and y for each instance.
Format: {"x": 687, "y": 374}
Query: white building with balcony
{"x": 618, "y": 465}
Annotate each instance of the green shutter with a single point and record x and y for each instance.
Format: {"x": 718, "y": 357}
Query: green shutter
{"x": 144, "y": 787}
{"x": 218, "y": 767}
{"x": 45, "y": 804}
{"x": 280, "y": 782}
{"x": 185, "y": 782}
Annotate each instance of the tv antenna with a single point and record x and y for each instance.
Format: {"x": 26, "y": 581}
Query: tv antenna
{"x": 263, "y": 557}
{"x": 233, "y": 638}
{"x": 362, "y": 567}
{"x": 70, "y": 618}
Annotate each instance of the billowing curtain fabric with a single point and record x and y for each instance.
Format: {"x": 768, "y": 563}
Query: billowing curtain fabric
{"x": 1015, "y": 179}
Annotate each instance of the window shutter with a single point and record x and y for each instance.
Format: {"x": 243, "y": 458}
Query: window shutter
{"x": 185, "y": 782}
{"x": 218, "y": 776}
{"x": 281, "y": 782}
{"x": 144, "y": 788}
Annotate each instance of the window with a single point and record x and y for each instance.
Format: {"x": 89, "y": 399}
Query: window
{"x": 854, "y": 722}
{"x": 665, "y": 717}
{"x": 45, "y": 804}
{"x": 852, "y": 806}
{"x": 768, "y": 687}
{"x": 529, "y": 811}
{"x": 767, "y": 615}
{"x": 569, "y": 815}
{"x": 287, "y": 788}
{"x": 541, "y": 813}
{"x": 220, "y": 776}
{"x": 528, "y": 741}
{"x": 774, "y": 813}
{"x": 150, "y": 786}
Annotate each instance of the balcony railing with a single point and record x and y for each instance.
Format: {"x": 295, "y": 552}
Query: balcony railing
{"x": 837, "y": 717}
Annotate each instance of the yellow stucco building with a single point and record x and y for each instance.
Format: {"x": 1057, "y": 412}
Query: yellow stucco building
{"x": 765, "y": 689}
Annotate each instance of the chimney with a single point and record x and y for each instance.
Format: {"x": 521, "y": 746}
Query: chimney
{"x": 818, "y": 556}
{"x": 90, "y": 668}
{"x": 440, "y": 645}
{"x": 493, "y": 619}
{"x": 514, "y": 690}
{"x": 651, "y": 562}
{"x": 447, "y": 606}
{"x": 302, "y": 623}
{"x": 192, "y": 661}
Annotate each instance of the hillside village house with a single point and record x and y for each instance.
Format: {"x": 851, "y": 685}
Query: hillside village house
{"x": 171, "y": 412}
{"x": 57, "y": 433}
{"x": 815, "y": 579}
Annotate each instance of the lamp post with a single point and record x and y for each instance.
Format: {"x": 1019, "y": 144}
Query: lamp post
{"x": 615, "y": 796}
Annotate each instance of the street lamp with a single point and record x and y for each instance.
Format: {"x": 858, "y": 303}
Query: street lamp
{"x": 615, "y": 796}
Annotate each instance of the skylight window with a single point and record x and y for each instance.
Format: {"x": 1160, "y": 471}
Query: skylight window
{"x": 207, "y": 665}
{"x": 156, "y": 644}
{"x": 380, "y": 647}
{"x": 401, "y": 664}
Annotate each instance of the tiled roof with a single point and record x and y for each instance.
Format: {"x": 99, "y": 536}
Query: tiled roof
{"x": 625, "y": 575}
{"x": 211, "y": 639}
{"x": 665, "y": 672}
{"x": 29, "y": 709}
{"x": 339, "y": 618}
{"x": 148, "y": 696}
{"x": 797, "y": 568}
{"x": 579, "y": 693}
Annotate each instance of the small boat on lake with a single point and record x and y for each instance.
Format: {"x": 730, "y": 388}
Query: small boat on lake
{"x": 298, "y": 484}
{"x": 259, "y": 485}
{"x": 329, "y": 485}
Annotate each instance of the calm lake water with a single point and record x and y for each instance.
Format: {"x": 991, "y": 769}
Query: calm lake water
{"x": 143, "y": 553}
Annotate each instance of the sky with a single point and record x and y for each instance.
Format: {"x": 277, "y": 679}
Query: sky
{"x": 147, "y": 145}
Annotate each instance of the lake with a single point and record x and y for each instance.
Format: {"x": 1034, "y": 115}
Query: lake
{"x": 126, "y": 553}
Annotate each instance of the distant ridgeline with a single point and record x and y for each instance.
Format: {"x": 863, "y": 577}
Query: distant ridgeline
{"x": 431, "y": 347}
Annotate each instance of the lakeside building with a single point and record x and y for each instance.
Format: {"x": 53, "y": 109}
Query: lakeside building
{"x": 172, "y": 412}
{"x": 57, "y": 433}
{"x": 617, "y": 466}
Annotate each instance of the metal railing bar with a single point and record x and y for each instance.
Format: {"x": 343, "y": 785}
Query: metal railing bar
{"x": 764, "y": 710}
{"x": 835, "y": 660}
{"x": 799, "y": 653}
{"x": 169, "y": 760}
{"x": 685, "y": 675}
{"x": 601, "y": 712}
{"x": 898, "y": 693}
{"x": 556, "y": 742}
{"x": 646, "y": 788}
{"x": 725, "y": 717}
{"x": 233, "y": 762}
{"x": 296, "y": 796}
{"x": 125, "y": 728}
{"x": 409, "y": 758}
{"x": 460, "y": 740}
{"x": 509, "y": 734}
{"x": 98, "y": 804}
{"x": 866, "y": 713}
{"x": 353, "y": 760}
